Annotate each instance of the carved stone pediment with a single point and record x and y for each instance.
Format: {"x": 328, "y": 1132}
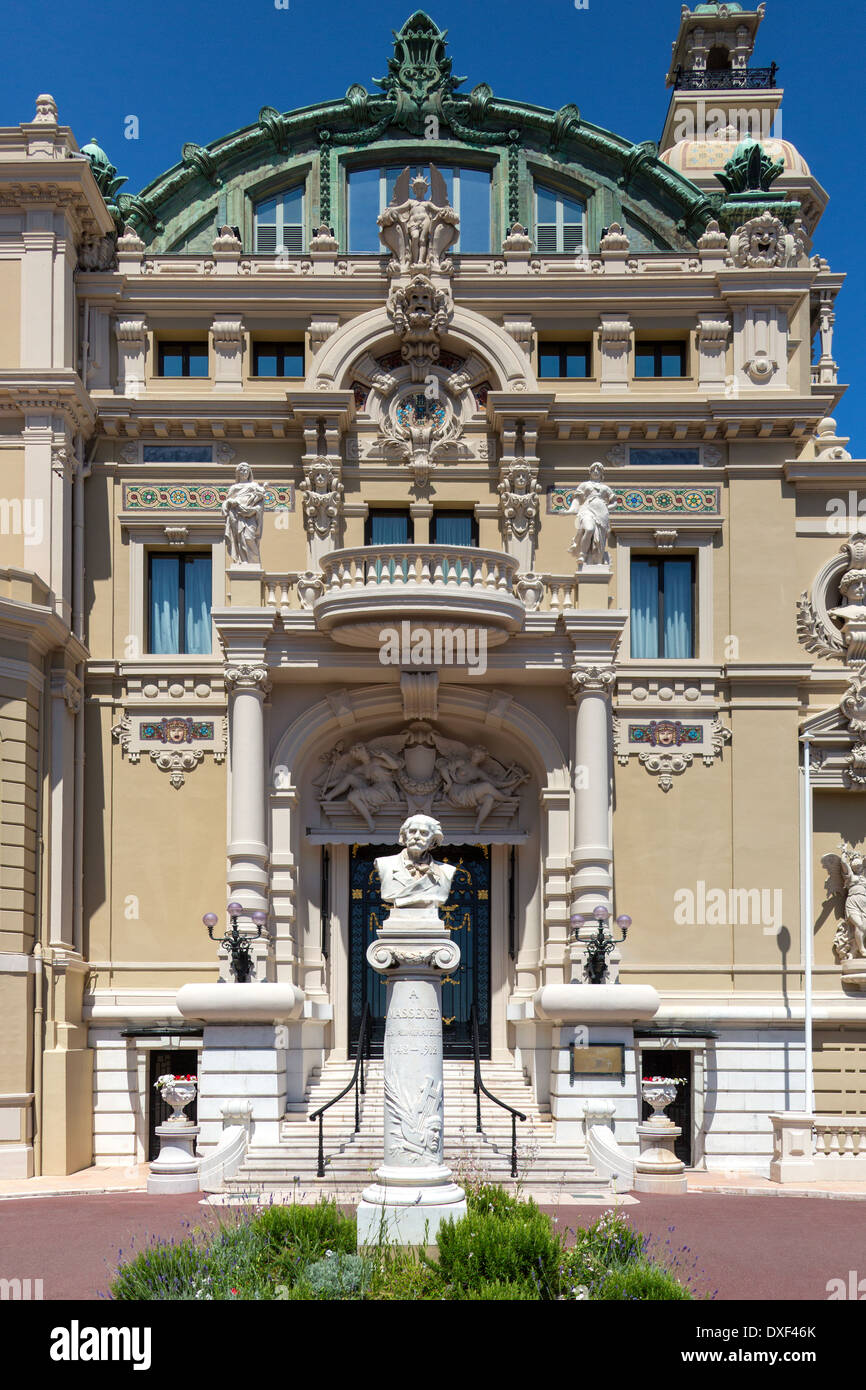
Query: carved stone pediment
{"x": 419, "y": 769}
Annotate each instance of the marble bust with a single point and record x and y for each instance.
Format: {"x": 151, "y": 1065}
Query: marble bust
{"x": 412, "y": 879}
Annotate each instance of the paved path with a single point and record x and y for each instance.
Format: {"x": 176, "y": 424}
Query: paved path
{"x": 745, "y": 1247}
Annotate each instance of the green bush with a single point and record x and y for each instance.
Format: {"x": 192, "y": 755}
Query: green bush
{"x": 639, "y": 1280}
{"x": 608, "y": 1243}
{"x": 489, "y": 1291}
{"x": 515, "y": 1247}
{"x": 504, "y": 1249}
{"x": 338, "y": 1276}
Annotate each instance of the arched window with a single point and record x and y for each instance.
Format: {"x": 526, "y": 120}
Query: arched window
{"x": 559, "y": 222}
{"x": 280, "y": 223}
{"x": 371, "y": 190}
{"x": 718, "y": 58}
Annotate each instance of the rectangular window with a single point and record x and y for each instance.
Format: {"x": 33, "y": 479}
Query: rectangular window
{"x": 564, "y": 360}
{"x": 662, "y": 607}
{"x": 179, "y": 603}
{"x": 278, "y": 359}
{"x": 559, "y": 222}
{"x": 371, "y": 190}
{"x": 659, "y": 359}
{"x": 388, "y": 528}
{"x": 280, "y": 224}
{"x": 183, "y": 359}
{"x": 454, "y": 528}
{"x": 177, "y": 453}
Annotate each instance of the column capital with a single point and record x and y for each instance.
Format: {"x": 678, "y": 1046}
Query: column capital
{"x": 591, "y": 678}
{"x": 247, "y": 677}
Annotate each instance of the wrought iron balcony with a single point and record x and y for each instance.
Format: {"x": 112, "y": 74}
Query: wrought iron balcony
{"x": 726, "y": 79}
{"x": 432, "y": 587}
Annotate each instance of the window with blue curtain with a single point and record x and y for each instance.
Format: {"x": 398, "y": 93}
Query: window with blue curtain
{"x": 388, "y": 528}
{"x": 454, "y": 528}
{"x": 662, "y": 607}
{"x": 180, "y": 604}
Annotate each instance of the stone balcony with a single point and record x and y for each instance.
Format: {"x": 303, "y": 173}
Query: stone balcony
{"x": 448, "y": 588}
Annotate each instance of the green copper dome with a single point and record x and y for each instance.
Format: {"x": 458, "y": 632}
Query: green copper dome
{"x": 98, "y": 158}
{"x": 713, "y": 7}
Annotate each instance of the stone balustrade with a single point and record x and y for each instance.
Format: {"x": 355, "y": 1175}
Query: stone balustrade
{"x": 367, "y": 588}
{"x": 411, "y": 566}
{"x": 818, "y": 1148}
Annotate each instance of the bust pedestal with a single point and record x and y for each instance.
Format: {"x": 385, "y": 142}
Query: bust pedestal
{"x": 413, "y": 1192}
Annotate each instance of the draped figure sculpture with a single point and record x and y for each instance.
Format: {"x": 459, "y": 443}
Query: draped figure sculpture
{"x": 591, "y": 510}
{"x": 244, "y": 509}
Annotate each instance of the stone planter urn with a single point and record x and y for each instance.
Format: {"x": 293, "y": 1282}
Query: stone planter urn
{"x": 657, "y": 1168}
{"x": 179, "y": 1092}
{"x": 175, "y": 1169}
{"x": 659, "y": 1093}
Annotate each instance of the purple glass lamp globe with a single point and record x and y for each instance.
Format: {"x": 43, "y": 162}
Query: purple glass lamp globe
{"x": 601, "y": 912}
{"x": 235, "y": 909}
{"x": 210, "y": 919}
{"x": 577, "y": 921}
{"x": 259, "y": 917}
{"x": 623, "y": 922}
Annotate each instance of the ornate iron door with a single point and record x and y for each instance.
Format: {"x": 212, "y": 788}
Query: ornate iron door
{"x": 467, "y": 913}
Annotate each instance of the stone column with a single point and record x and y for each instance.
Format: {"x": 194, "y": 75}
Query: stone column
{"x": 413, "y": 1192}
{"x": 248, "y": 848}
{"x": 592, "y": 854}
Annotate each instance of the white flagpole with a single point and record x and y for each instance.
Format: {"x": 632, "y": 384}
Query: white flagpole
{"x": 807, "y": 923}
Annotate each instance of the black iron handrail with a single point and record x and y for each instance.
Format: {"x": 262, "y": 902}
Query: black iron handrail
{"x": 726, "y": 79}
{"x": 357, "y": 1080}
{"x": 478, "y": 1087}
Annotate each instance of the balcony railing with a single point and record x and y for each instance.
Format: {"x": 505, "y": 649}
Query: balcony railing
{"x": 460, "y": 568}
{"x": 367, "y": 587}
{"x": 726, "y": 79}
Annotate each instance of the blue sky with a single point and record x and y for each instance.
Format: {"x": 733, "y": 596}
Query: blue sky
{"x": 198, "y": 69}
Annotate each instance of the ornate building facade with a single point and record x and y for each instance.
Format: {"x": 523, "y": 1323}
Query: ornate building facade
{"x": 426, "y": 450}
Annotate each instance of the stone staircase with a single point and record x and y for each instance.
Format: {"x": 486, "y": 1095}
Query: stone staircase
{"x": 546, "y": 1170}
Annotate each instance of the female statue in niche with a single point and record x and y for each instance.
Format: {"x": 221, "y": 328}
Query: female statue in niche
{"x": 591, "y": 510}
{"x": 244, "y": 509}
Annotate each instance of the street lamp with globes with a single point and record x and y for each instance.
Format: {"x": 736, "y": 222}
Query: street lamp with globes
{"x": 236, "y": 942}
{"x": 601, "y": 943}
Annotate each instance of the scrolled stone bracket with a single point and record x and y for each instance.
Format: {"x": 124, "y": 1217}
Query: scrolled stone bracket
{"x": 383, "y": 955}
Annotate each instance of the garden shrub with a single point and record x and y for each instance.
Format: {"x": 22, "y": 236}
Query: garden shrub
{"x": 638, "y": 1280}
{"x": 504, "y": 1249}
{"x": 516, "y": 1247}
{"x": 338, "y": 1276}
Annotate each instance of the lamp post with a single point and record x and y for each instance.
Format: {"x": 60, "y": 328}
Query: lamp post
{"x": 236, "y": 942}
{"x": 601, "y": 943}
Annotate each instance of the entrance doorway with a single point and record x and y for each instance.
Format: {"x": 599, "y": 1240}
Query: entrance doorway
{"x": 667, "y": 1062}
{"x": 178, "y": 1062}
{"x": 467, "y": 913}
